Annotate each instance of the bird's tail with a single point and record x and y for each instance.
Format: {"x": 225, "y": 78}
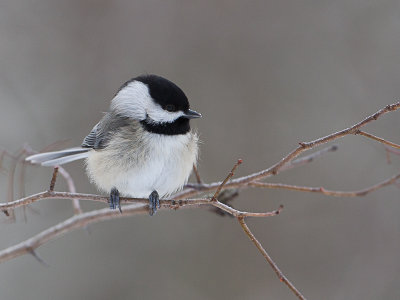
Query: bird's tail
{"x": 51, "y": 159}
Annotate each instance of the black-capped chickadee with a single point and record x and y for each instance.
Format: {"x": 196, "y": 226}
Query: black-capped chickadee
{"x": 143, "y": 147}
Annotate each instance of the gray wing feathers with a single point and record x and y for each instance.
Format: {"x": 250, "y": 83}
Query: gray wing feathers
{"x": 101, "y": 133}
{"x": 98, "y": 138}
{"x": 93, "y": 139}
{"x": 58, "y": 157}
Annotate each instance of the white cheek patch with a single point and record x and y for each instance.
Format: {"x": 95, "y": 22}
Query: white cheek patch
{"x": 158, "y": 115}
{"x": 132, "y": 101}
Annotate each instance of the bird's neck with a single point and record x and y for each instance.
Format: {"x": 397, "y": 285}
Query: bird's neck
{"x": 179, "y": 126}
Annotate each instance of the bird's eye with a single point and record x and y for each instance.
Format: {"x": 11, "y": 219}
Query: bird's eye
{"x": 170, "y": 107}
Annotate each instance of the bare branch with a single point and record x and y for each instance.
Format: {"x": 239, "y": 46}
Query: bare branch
{"x": 378, "y": 139}
{"x": 71, "y": 187}
{"x": 273, "y": 265}
{"x": 391, "y": 150}
{"x": 53, "y": 179}
{"x": 308, "y": 158}
{"x": 165, "y": 203}
{"x": 324, "y": 191}
{"x": 197, "y": 174}
{"x": 230, "y": 175}
{"x": 303, "y": 146}
{"x": 70, "y": 182}
{"x": 37, "y": 257}
{"x": 237, "y": 213}
{"x": 77, "y": 221}
{"x": 180, "y": 200}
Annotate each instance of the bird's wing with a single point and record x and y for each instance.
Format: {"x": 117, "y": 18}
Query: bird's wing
{"x": 101, "y": 133}
{"x": 90, "y": 140}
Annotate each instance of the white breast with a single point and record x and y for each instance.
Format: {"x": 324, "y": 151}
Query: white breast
{"x": 162, "y": 163}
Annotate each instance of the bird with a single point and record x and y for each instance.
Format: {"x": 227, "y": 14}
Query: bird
{"x": 143, "y": 147}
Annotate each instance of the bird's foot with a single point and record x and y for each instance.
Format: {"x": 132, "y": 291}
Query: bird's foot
{"x": 114, "y": 199}
{"x": 154, "y": 203}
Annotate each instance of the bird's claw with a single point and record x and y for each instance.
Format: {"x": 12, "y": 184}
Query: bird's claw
{"x": 154, "y": 203}
{"x": 114, "y": 199}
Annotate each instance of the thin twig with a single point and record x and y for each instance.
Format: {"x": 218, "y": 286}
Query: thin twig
{"x": 225, "y": 197}
{"x": 308, "y": 158}
{"x": 237, "y": 213}
{"x": 230, "y": 175}
{"x": 197, "y": 174}
{"x": 53, "y": 179}
{"x": 70, "y": 182}
{"x": 391, "y": 150}
{"x": 21, "y": 187}
{"x": 37, "y": 257}
{"x": 273, "y": 265}
{"x": 72, "y": 189}
{"x": 378, "y": 139}
{"x": 11, "y": 175}
{"x": 321, "y": 190}
{"x": 387, "y": 155}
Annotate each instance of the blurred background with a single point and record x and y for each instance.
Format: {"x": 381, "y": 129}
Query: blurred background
{"x": 265, "y": 75}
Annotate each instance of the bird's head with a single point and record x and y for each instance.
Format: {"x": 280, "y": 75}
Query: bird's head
{"x": 159, "y": 104}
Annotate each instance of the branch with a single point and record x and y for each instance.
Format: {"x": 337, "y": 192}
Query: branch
{"x": 230, "y": 175}
{"x": 378, "y": 139}
{"x": 308, "y": 158}
{"x": 180, "y": 200}
{"x": 197, "y": 174}
{"x": 53, "y": 179}
{"x": 71, "y": 187}
{"x": 303, "y": 146}
{"x": 324, "y": 191}
{"x": 165, "y": 203}
{"x": 273, "y": 265}
{"x": 82, "y": 220}
{"x": 77, "y": 221}
{"x": 67, "y": 177}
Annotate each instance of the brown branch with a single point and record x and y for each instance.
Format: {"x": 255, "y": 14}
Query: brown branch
{"x": 77, "y": 221}
{"x": 166, "y": 203}
{"x": 86, "y": 218}
{"x": 193, "y": 188}
{"x": 264, "y": 253}
{"x": 378, "y": 139}
{"x": 67, "y": 177}
{"x": 388, "y": 160}
{"x": 324, "y": 191}
{"x": 140, "y": 206}
{"x": 391, "y": 150}
{"x": 71, "y": 187}
{"x": 10, "y": 189}
{"x": 237, "y": 213}
{"x": 303, "y": 146}
{"x": 230, "y": 175}
{"x": 172, "y": 202}
{"x": 53, "y": 179}
{"x": 308, "y": 158}
{"x": 197, "y": 174}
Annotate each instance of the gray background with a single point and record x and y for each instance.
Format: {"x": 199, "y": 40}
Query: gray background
{"x": 265, "y": 75}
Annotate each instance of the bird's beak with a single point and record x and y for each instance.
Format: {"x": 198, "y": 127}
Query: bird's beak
{"x": 191, "y": 114}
